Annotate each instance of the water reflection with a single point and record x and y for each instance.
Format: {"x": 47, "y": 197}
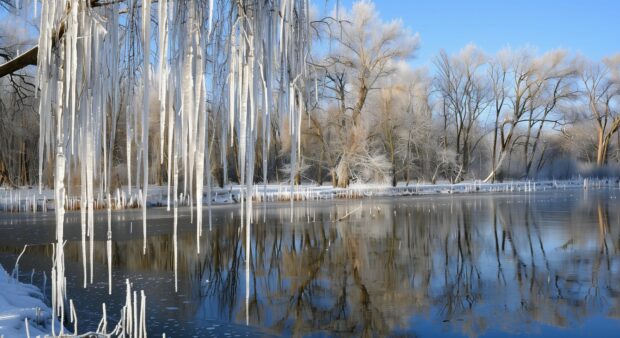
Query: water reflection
{"x": 459, "y": 265}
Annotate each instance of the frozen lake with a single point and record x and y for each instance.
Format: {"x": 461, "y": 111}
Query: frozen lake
{"x": 544, "y": 263}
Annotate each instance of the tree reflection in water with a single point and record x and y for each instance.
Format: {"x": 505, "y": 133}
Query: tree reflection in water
{"x": 466, "y": 264}
{"x": 469, "y": 263}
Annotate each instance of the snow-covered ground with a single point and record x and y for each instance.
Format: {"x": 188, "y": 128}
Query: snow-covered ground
{"x": 30, "y": 200}
{"x": 22, "y": 309}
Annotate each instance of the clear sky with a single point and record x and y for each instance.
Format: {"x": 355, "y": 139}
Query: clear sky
{"x": 591, "y": 27}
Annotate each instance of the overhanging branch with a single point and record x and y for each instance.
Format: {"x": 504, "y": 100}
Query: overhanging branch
{"x": 29, "y": 58}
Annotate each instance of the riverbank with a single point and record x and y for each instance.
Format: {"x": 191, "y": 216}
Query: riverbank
{"x": 28, "y": 199}
{"x": 22, "y": 309}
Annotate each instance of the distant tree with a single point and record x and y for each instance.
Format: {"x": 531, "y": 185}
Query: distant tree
{"x": 526, "y": 89}
{"x": 600, "y": 97}
{"x": 462, "y": 85}
{"x": 402, "y": 119}
{"x": 554, "y": 85}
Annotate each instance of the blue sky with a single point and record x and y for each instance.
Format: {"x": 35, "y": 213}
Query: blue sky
{"x": 590, "y": 27}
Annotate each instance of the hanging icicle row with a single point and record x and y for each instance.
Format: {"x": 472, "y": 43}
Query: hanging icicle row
{"x": 239, "y": 61}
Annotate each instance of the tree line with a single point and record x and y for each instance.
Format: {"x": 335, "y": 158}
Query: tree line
{"x": 368, "y": 116}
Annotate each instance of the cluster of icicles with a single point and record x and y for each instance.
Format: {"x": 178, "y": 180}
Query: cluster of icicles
{"x": 239, "y": 59}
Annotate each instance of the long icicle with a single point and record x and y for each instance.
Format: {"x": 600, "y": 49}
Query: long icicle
{"x": 146, "y": 40}
{"x": 258, "y": 51}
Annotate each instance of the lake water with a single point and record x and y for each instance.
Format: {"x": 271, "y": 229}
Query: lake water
{"x": 543, "y": 264}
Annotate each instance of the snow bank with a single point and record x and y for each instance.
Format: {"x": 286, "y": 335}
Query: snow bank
{"x": 20, "y": 302}
{"x": 30, "y": 200}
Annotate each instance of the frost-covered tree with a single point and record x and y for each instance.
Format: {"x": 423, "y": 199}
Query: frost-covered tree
{"x": 364, "y": 50}
{"x": 402, "y": 120}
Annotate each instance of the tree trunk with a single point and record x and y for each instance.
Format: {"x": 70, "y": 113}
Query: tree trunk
{"x": 393, "y": 158}
{"x": 343, "y": 181}
{"x": 601, "y": 149}
{"x": 531, "y": 158}
{"x": 603, "y": 153}
{"x": 494, "y": 153}
{"x": 526, "y": 145}
{"x": 359, "y": 105}
{"x": 494, "y": 171}
{"x": 393, "y": 175}
{"x": 5, "y": 179}
{"x": 466, "y": 155}
{"x": 26, "y": 173}
{"x": 235, "y": 158}
{"x": 407, "y": 175}
{"x": 319, "y": 171}
{"x": 343, "y": 173}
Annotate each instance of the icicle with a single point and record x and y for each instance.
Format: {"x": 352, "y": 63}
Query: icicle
{"x": 232, "y": 88}
{"x": 175, "y": 172}
{"x": 142, "y": 315}
{"x": 266, "y": 110}
{"x": 59, "y": 198}
{"x": 79, "y": 83}
{"x": 163, "y": 44}
{"x": 83, "y": 203}
{"x": 73, "y": 316}
{"x": 135, "y": 320}
{"x": 102, "y": 328}
{"x": 146, "y": 39}
{"x": 200, "y": 166}
{"x": 210, "y": 18}
{"x": 74, "y": 67}
{"x": 128, "y": 149}
{"x": 90, "y": 212}
{"x": 171, "y": 119}
{"x": 129, "y": 309}
{"x": 243, "y": 119}
{"x": 176, "y": 249}
{"x": 109, "y": 245}
{"x": 247, "y": 272}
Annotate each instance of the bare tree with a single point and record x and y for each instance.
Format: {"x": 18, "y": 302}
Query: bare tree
{"x": 554, "y": 85}
{"x": 461, "y": 83}
{"x": 518, "y": 81}
{"x": 18, "y": 126}
{"x": 600, "y": 96}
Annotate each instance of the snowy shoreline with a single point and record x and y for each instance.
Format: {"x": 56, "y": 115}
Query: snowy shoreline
{"x": 22, "y": 309}
{"x": 26, "y": 199}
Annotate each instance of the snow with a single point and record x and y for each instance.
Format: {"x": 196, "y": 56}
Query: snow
{"x": 25, "y": 199}
{"x": 19, "y": 303}
{"x": 23, "y": 312}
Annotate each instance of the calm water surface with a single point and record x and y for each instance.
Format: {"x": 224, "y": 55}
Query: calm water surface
{"x": 543, "y": 264}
